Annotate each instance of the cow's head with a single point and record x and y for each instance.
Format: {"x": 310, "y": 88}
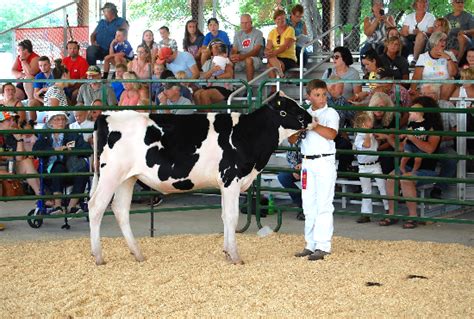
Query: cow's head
{"x": 291, "y": 116}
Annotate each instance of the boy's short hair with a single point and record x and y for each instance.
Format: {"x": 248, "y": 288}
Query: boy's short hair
{"x": 44, "y": 58}
{"x": 315, "y": 84}
{"x": 123, "y": 30}
{"x": 165, "y": 28}
{"x": 121, "y": 66}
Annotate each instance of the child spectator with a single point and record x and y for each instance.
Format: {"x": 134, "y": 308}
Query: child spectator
{"x": 165, "y": 39}
{"x": 148, "y": 40}
{"x": 120, "y": 51}
{"x": 193, "y": 39}
{"x": 120, "y": 69}
{"x": 82, "y": 123}
{"x": 318, "y": 173}
{"x": 416, "y": 122}
{"x": 368, "y": 164}
{"x": 130, "y": 96}
{"x": 220, "y": 61}
{"x": 158, "y": 69}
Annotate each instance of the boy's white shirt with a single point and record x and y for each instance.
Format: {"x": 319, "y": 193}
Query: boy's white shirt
{"x": 315, "y": 144}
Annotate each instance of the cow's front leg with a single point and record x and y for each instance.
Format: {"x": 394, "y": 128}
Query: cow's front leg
{"x": 121, "y": 208}
{"x": 230, "y": 217}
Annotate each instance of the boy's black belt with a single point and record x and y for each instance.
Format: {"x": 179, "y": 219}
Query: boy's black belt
{"x": 367, "y": 164}
{"x": 316, "y": 156}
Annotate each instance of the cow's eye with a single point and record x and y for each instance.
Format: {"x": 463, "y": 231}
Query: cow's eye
{"x": 282, "y": 113}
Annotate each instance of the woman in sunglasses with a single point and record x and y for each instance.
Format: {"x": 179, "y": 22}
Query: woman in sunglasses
{"x": 417, "y": 28}
{"x": 281, "y": 49}
{"x": 342, "y": 61}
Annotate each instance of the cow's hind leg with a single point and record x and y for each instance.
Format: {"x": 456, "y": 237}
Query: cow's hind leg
{"x": 230, "y": 217}
{"x": 121, "y": 208}
{"x": 97, "y": 205}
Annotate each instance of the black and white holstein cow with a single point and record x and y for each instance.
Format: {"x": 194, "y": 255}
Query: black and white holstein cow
{"x": 179, "y": 153}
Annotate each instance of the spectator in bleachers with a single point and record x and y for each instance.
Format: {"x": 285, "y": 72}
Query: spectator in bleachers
{"x": 289, "y": 179}
{"x": 417, "y": 28}
{"x": 462, "y": 28}
{"x": 130, "y": 96}
{"x": 171, "y": 95}
{"x": 214, "y": 33}
{"x": 25, "y": 67}
{"x": 335, "y": 98}
{"x": 166, "y": 41}
{"x": 9, "y": 99}
{"x": 104, "y": 33}
{"x": 368, "y": 164}
{"x": 447, "y": 145}
{"x": 94, "y": 114}
{"x": 77, "y": 67}
{"x": 281, "y": 46}
{"x": 394, "y": 61}
{"x": 55, "y": 95}
{"x": 467, "y": 61}
{"x": 375, "y": 27}
{"x": 82, "y": 123}
{"x": 439, "y": 25}
{"x": 390, "y": 88}
{"x": 120, "y": 51}
{"x": 372, "y": 64}
{"x": 394, "y": 32}
{"x": 178, "y": 61}
{"x": 296, "y": 22}
{"x": 193, "y": 39}
{"x": 185, "y": 90}
{"x": 148, "y": 41}
{"x": 428, "y": 165}
{"x": 158, "y": 69}
{"x": 118, "y": 88}
{"x": 437, "y": 64}
{"x": 141, "y": 65}
{"x": 89, "y": 92}
{"x": 247, "y": 48}
{"x": 342, "y": 61}
{"x": 215, "y": 92}
{"x": 39, "y": 87}
{"x": 383, "y": 120}
{"x": 63, "y": 163}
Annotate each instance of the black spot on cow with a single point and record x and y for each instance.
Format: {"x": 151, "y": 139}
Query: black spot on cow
{"x": 152, "y": 135}
{"x": 184, "y": 185}
{"x": 182, "y": 136}
{"x": 113, "y": 138}
{"x": 102, "y": 165}
{"x": 102, "y": 131}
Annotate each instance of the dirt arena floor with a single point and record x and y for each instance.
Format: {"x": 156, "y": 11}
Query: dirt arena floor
{"x": 187, "y": 276}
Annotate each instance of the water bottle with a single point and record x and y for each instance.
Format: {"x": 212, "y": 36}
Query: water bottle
{"x": 264, "y": 231}
{"x": 304, "y": 178}
{"x": 11, "y": 166}
{"x": 271, "y": 205}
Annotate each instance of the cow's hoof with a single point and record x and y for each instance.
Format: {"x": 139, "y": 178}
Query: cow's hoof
{"x": 100, "y": 262}
{"x": 139, "y": 258}
{"x": 238, "y": 262}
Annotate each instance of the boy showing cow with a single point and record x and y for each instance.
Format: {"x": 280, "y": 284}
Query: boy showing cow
{"x": 318, "y": 173}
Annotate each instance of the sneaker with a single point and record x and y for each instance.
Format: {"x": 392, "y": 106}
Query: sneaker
{"x": 75, "y": 210}
{"x": 318, "y": 255}
{"x": 363, "y": 220}
{"x": 157, "y": 200}
{"x": 304, "y": 253}
{"x": 436, "y": 193}
{"x": 300, "y": 216}
{"x": 58, "y": 210}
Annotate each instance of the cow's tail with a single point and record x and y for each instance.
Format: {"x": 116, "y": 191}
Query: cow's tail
{"x": 100, "y": 137}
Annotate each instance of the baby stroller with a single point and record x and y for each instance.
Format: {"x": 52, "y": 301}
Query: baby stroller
{"x": 43, "y": 209}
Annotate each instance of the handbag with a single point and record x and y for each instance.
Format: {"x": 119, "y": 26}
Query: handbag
{"x": 12, "y": 187}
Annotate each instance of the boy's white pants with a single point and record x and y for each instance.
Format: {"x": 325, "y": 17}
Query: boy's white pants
{"x": 366, "y": 184}
{"x": 318, "y": 199}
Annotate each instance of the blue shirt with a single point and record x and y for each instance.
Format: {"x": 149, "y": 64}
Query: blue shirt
{"x": 42, "y": 76}
{"x": 222, "y": 35}
{"x": 124, "y": 47}
{"x": 183, "y": 62}
{"x": 105, "y": 31}
{"x": 118, "y": 89}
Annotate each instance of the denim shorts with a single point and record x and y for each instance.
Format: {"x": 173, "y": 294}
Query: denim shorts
{"x": 421, "y": 173}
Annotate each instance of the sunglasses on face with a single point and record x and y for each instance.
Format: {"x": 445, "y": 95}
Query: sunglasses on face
{"x": 278, "y": 39}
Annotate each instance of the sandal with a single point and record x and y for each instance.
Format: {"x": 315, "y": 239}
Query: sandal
{"x": 410, "y": 224}
{"x": 388, "y": 221}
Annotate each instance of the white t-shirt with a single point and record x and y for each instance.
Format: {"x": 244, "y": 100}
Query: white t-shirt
{"x": 363, "y": 158}
{"x": 84, "y": 125}
{"x": 434, "y": 69}
{"x": 315, "y": 144}
{"x": 424, "y": 25}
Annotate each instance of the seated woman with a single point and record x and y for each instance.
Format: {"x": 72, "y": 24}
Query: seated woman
{"x": 375, "y": 27}
{"x": 281, "y": 48}
{"x": 437, "y": 64}
{"x": 427, "y": 168}
{"x": 63, "y": 163}
{"x": 215, "y": 92}
{"x": 467, "y": 61}
{"x": 9, "y": 99}
{"x": 393, "y": 60}
{"x": 141, "y": 65}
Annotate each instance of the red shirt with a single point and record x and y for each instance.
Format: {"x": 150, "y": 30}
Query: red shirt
{"x": 28, "y": 59}
{"x": 77, "y": 69}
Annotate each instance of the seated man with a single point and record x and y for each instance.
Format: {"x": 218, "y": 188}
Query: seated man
{"x": 247, "y": 48}
{"x": 77, "y": 67}
{"x": 89, "y": 92}
{"x": 104, "y": 33}
{"x": 178, "y": 61}
{"x": 171, "y": 95}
